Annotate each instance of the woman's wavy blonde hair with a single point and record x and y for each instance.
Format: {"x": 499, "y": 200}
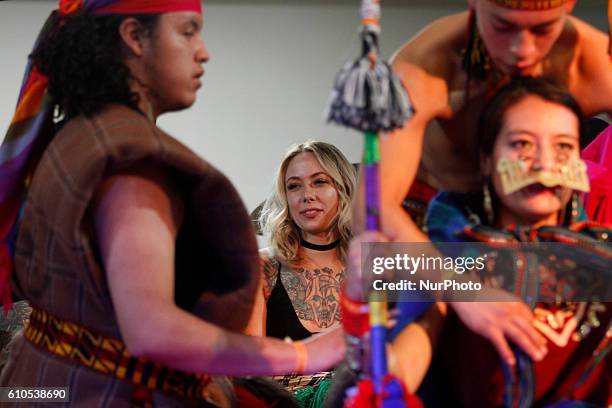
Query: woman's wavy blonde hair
{"x": 275, "y": 220}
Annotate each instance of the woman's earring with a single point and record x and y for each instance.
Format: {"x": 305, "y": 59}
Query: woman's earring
{"x": 487, "y": 203}
{"x": 568, "y": 215}
{"x": 575, "y": 209}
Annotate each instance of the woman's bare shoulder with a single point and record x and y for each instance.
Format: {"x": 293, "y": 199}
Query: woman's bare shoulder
{"x": 270, "y": 266}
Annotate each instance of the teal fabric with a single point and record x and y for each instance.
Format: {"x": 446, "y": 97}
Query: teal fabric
{"x": 313, "y": 397}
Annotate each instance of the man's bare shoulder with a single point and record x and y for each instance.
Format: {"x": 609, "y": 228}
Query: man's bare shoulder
{"x": 590, "y": 78}
{"x": 269, "y": 261}
{"x": 431, "y": 61}
{"x": 587, "y": 33}
{"x": 269, "y": 269}
{"x": 436, "y": 47}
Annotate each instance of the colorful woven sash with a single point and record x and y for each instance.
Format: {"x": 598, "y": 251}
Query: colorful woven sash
{"x": 295, "y": 382}
{"x": 108, "y": 355}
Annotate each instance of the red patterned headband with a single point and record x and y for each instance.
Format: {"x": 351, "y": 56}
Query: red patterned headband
{"x": 99, "y": 7}
{"x": 530, "y": 4}
{"x": 150, "y": 7}
{"x": 551, "y": 4}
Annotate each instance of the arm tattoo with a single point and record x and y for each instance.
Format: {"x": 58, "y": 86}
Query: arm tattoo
{"x": 269, "y": 268}
{"x": 315, "y": 294}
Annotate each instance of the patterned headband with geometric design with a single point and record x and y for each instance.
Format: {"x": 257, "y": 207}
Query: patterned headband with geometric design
{"x": 530, "y": 4}
{"x": 535, "y": 5}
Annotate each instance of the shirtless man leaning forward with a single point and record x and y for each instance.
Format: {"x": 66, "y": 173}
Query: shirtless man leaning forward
{"x": 448, "y": 70}
{"x": 510, "y": 37}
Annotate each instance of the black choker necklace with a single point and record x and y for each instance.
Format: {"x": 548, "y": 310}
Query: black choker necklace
{"x": 317, "y": 247}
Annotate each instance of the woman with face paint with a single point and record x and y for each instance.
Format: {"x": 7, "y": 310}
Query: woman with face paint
{"x": 130, "y": 248}
{"x": 530, "y": 159}
{"x": 528, "y": 141}
{"x": 307, "y": 219}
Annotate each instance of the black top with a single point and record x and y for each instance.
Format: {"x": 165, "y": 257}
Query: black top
{"x": 281, "y": 320}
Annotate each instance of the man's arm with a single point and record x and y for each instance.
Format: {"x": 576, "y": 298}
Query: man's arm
{"x": 400, "y": 157}
{"x": 401, "y": 153}
{"x": 137, "y": 215}
{"x": 268, "y": 275}
{"x": 411, "y": 352}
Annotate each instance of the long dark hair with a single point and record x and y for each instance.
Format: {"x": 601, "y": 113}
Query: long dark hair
{"x": 83, "y": 57}
{"x": 492, "y": 117}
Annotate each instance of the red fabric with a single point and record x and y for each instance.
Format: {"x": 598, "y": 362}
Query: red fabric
{"x": 6, "y": 266}
{"x": 366, "y": 397}
{"x": 150, "y": 7}
{"x": 355, "y": 323}
{"x": 421, "y": 192}
{"x": 462, "y": 356}
{"x": 31, "y": 96}
{"x": 142, "y": 397}
{"x": 244, "y": 398}
{"x": 67, "y": 7}
{"x": 598, "y": 157}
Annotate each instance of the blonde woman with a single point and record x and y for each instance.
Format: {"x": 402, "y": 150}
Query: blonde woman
{"x": 307, "y": 220}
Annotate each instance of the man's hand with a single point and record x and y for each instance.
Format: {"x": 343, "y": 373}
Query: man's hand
{"x": 325, "y": 350}
{"x": 354, "y": 281}
{"x": 499, "y": 321}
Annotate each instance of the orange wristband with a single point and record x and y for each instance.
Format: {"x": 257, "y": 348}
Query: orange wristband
{"x": 302, "y": 356}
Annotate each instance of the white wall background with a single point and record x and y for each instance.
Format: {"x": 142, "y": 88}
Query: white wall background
{"x": 266, "y": 86}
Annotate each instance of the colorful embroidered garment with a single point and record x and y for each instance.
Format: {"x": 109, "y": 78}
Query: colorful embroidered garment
{"x": 578, "y": 364}
{"x": 31, "y": 127}
{"x": 108, "y": 355}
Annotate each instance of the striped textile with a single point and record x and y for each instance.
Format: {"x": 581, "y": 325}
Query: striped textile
{"x": 20, "y": 151}
{"x": 108, "y": 355}
{"x": 294, "y": 382}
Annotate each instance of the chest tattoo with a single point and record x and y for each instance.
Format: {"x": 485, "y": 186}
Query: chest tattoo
{"x": 315, "y": 294}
